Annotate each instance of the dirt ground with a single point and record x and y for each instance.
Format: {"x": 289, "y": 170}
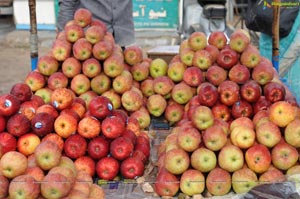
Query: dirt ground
{"x": 14, "y": 65}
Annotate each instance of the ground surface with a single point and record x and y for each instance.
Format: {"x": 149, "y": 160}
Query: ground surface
{"x": 14, "y": 65}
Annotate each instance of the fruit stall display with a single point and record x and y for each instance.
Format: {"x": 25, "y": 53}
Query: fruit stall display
{"x": 83, "y": 118}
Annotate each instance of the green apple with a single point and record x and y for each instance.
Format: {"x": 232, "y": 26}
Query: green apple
{"x": 231, "y": 158}
{"x": 203, "y": 159}
{"x": 192, "y": 182}
{"x": 177, "y": 161}
{"x": 158, "y": 67}
{"x": 243, "y": 180}
{"x": 202, "y": 117}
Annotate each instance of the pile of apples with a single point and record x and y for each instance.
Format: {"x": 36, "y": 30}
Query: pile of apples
{"x": 240, "y": 129}
{"x": 70, "y": 108}
{"x": 47, "y": 173}
{"x": 234, "y": 124}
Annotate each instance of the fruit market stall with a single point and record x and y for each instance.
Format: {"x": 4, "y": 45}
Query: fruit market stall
{"x": 95, "y": 121}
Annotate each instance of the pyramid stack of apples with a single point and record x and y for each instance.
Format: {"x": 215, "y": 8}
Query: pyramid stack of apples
{"x": 67, "y": 113}
{"x": 234, "y": 124}
{"x": 242, "y": 127}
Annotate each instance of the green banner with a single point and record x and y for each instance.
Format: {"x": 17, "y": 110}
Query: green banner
{"x": 155, "y": 14}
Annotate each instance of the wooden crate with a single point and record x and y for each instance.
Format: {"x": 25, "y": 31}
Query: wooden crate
{"x": 164, "y": 52}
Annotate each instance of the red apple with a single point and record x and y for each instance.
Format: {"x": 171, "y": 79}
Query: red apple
{"x": 216, "y": 75}
{"x": 113, "y": 66}
{"x": 91, "y": 67}
{"x": 221, "y": 111}
{"x": 27, "y": 143}
{"x": 202, "y": 59}
{"x": 75, "y": 146}
{"x": 48, "y": 108}
{"x": 174, "y": 112}
{"x": 89, "y": 127}
{"x": 229, "y": 92}
{"x": 227, "y": 58}
{"x": 57, "y": 80}
{"x": 18, "y": 125}
{"x": 284, "y": 156}
{"x": 24, "y": 186}
{"x": 97, "y": 22}
{"x": 214, "y": 138}
{"x": 9, "y": 104}
{"x": 100, "y": 107}
{"x": 61, "y": 49}
{"x": 2, "y": 123}
{"x": 197, "y": 41}
{"x": 4, "y": 182}
{"x": 62, "y": 98}
{"x": 239, "y": 40}
{"x": 7, "y": 142}
{"x": 218, "y": 39}
{"x": 218, "y": 182}
{"x": 82, "y": 49}
{"x": 186, "y": 56}
{"x": 207, "y": 94}
{"x": 54, "y": 137}
{"x": 239, "y": 74}
{"x": 166, "y": 184}
{"x": 261, "y": 104}
{"x": 131, "y": 168}
{"x": 250, "y": 57}
{"x": 71, "y": 67}
{"x": 251, "y": 91}
{"x": 107, "y": 168}
{"x": 133, "y": 55}
{"x": 241, "y": 108}
{"x": 274, "y": 91}
{"x": 263, "y": 72}
{"x": 193, "y": 76}
{"x": 102, "y": 50}
{"x": 47, "y": 155}
{"x": 112, "y": 127}
{"x": 87, "y": 164}
{"x": 94, "y": 34}
{"x": 100, "y": 83}
{"x": 140, "y": 71}
{"x": 83, "y": 17}
{"x": 47, "y": 65}
{"x": 162, "y": 85}
{"x": 73, "y": 32}
{"x": 213, "y": 51}
{"x": 98, "y": 147}
{"x": 22, "y": 91}
{"x": 129, "y": 134}
{"x": 258, "y": 158}
{"x": 121, "y": 148}
{"x": 42, "y": 124}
